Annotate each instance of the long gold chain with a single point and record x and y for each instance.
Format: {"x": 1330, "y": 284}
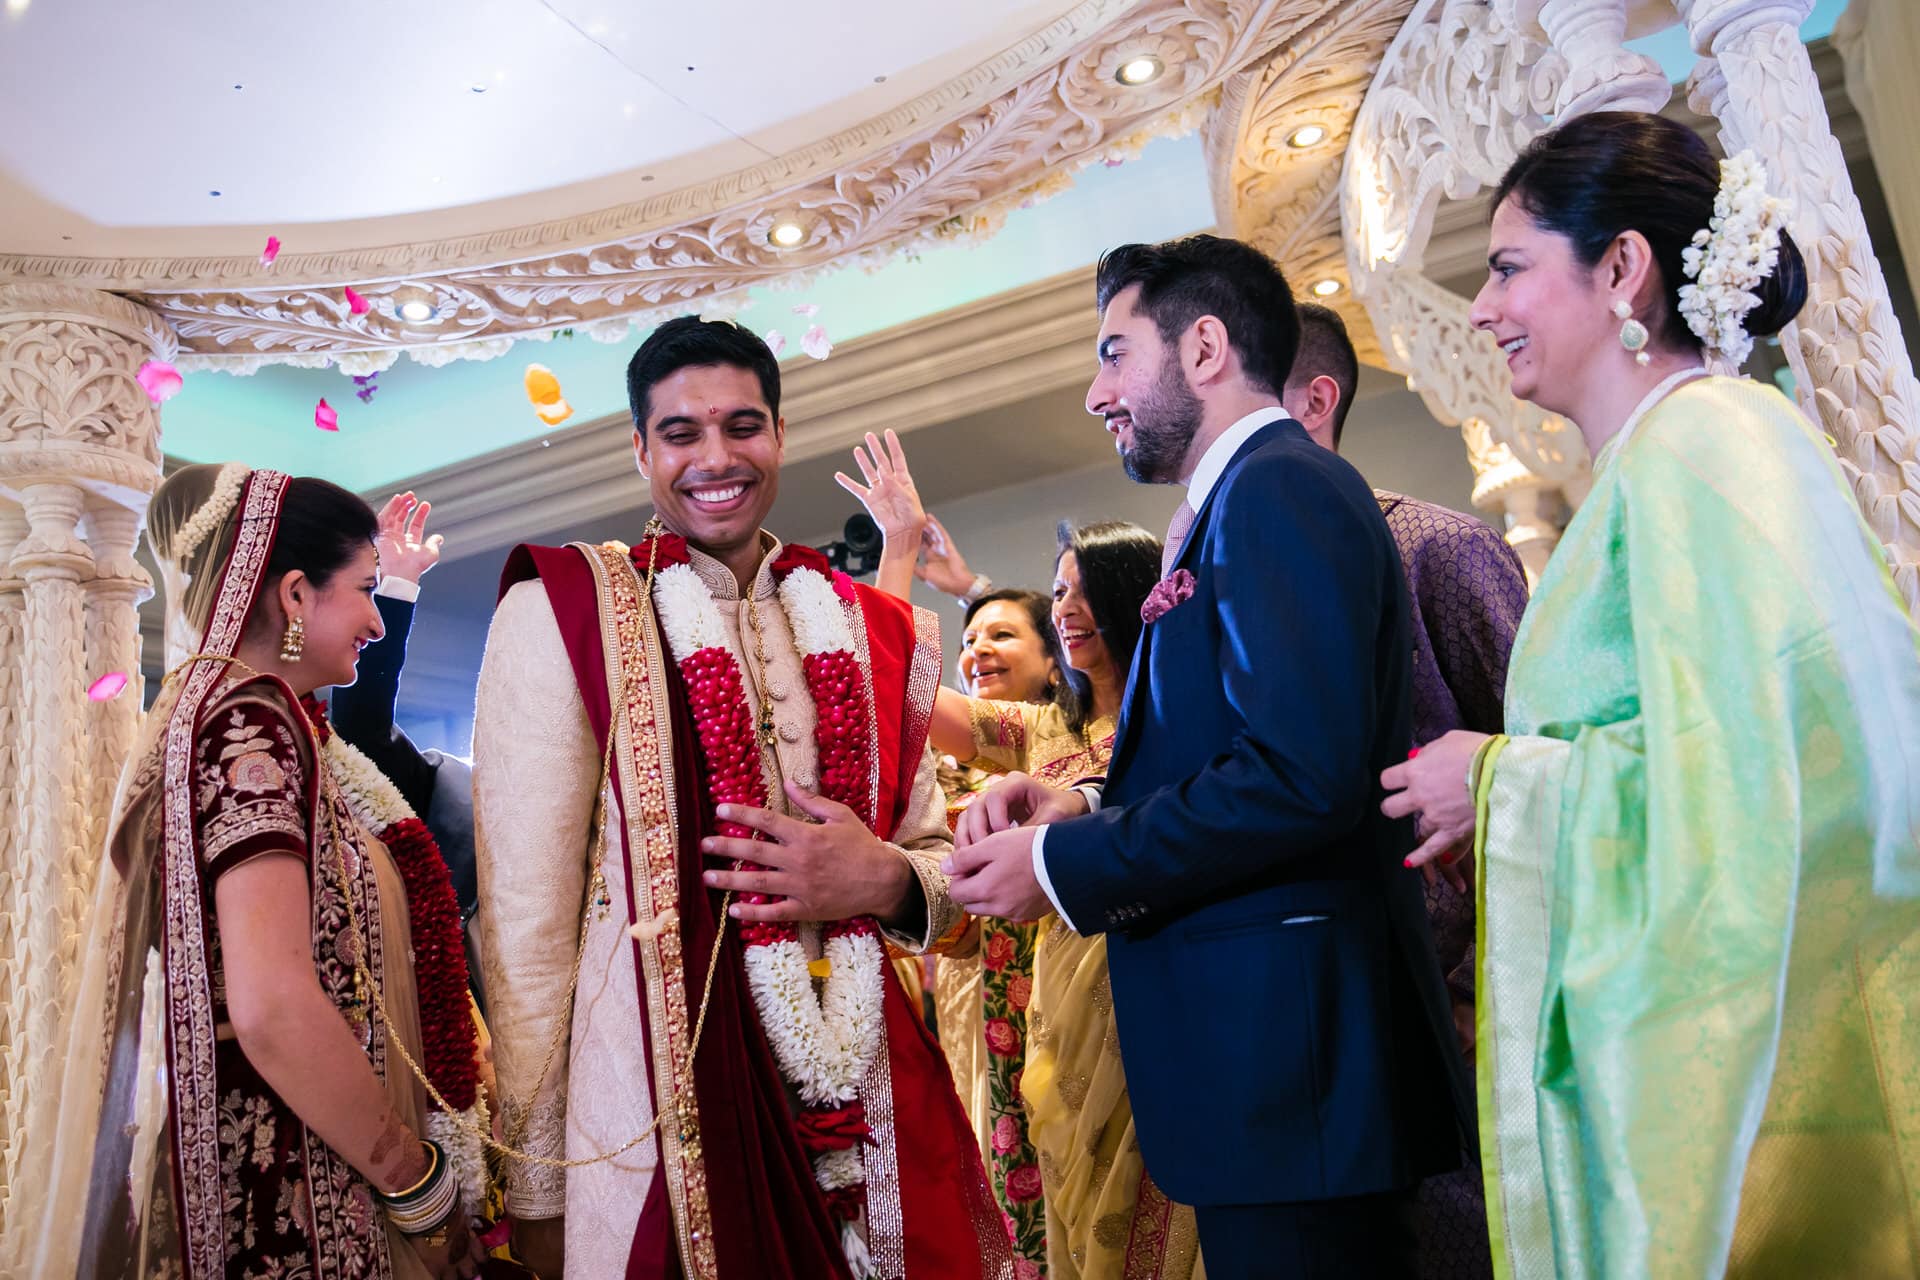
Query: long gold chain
{"x": 765, "y": 721}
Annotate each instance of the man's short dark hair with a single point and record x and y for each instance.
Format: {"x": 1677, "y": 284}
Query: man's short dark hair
{"x": 1182, "y": 280}
{"x": 690, "y": 342}
{"x": 1325, "y": 349}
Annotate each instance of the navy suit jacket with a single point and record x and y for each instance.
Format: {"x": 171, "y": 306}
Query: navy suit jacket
{"x": 1282, "y": 1019}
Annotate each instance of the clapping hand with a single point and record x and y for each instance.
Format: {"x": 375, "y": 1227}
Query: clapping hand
{"x": 941, "y": 566}
{"x": 405, "y": 551}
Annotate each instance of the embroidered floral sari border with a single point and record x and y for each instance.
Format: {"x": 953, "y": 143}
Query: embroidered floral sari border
{"x": 631, "y": 643}
{"x": 188, "y": 976}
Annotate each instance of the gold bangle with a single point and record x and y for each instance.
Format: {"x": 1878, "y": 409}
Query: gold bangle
{"x": 433, "y": 1167}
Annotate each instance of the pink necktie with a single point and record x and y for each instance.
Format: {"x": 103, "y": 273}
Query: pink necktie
{"x": 1177, "y": 531}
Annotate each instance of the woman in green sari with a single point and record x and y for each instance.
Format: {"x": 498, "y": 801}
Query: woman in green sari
{"x": 1698, "y": 844}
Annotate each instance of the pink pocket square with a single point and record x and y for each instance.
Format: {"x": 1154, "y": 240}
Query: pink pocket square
{"x": 1172, "y": 590}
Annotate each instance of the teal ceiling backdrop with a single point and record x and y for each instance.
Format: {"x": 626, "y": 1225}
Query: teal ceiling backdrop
{"x": 421, "y": 418}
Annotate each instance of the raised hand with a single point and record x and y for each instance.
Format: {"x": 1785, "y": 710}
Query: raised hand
{"x": 405, "y": 550}
{"x": 888, "y": 495}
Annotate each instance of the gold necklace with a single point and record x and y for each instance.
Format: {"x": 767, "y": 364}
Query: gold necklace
{"x": 767, "y": 737}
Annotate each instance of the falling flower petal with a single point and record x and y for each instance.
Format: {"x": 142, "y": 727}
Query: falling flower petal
{"x": 324, "y": 416}
{"x": 357, "y": 304}
{"x": 807, "y": 309}
{"x": 776, "y": 341}
{"x": 107, "y": 687}
{"x": 272, "y": 251}
{"x": 543, "y": 393}
{"x": 160, "y": 380}
{"x": 815, "y": 343}
{"x": 542, "y": 386}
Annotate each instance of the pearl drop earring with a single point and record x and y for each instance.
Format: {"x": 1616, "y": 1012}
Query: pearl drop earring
{"x": 1633, "y": 334}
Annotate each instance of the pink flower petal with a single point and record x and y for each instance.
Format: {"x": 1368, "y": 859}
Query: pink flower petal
{"x": 807, "y": 309}
{"x": 358, "y": 305}
{"x": 815, "y": 343}
{"x": 160, "y": 380}
{"x": 107, "y": 687}
{"x": 272, "y": 251}
{"x": 324, "y": 416}
{"x": 776, "y": 341}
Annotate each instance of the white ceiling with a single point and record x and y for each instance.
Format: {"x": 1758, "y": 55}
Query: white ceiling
{"x": 363, "y": 127}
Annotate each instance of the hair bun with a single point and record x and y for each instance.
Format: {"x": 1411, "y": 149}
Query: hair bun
{"x": 1782, "y": 293}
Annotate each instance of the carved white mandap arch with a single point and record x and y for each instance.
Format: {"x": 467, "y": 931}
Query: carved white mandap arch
{"x": 1467, "y": 83}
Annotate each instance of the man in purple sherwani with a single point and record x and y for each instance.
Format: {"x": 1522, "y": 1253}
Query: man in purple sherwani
{"x": 1467, "y": 591}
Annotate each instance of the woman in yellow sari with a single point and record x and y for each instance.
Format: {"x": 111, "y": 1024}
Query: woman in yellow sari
{"x": 1103, "y": 1217}
{"x": 242, "y": 1097}
{"x": 1698, "y": 843}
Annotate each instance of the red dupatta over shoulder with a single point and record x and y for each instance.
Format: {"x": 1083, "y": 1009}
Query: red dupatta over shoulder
{"x": 734, "y": 1195}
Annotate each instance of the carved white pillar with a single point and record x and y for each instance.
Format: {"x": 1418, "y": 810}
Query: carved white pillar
{"x": 14, "y": 908}
{"x": 1849, "y": 358}
{"x": 1601, "y": 72}
{"x": 1879, "y": 43}
{"x": 114, "y": 594}
{"x": 80, "y": 447}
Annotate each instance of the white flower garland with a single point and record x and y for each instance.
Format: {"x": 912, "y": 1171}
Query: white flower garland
{"x": 377, "y": 805}
{"x": 208, "y": 515}
{"x": 813, "y": 611}
{"x": 1730, "y": 256}
{"x": 823, "y": 1044}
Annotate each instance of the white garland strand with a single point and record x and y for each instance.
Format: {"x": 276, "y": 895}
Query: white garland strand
{"x": 377, "y": 805}
{"x": 813, "y": 611}
{"x": 688, "y": 614}
{"x": 1730, "y": 256}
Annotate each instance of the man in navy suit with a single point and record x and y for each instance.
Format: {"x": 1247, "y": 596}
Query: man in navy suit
{"x": 1286, "y": 1033}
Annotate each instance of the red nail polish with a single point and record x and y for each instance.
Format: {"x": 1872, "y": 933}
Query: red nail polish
{"x": 1407, "y": 862}
{"x": 1411, "y": 754}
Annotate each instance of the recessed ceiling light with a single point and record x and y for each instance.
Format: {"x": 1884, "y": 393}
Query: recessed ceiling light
{"x": 1307, "y": 135}
{"x": 1138, "y": 71}
{"x": 786, "y": 234}
{"x": 1326, "y": 288}
{"x": 17, "y": 7}
{"x": 415, "y": 305}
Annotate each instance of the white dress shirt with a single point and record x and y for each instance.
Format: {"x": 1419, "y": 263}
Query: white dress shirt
{"x": 1206, "y": 474}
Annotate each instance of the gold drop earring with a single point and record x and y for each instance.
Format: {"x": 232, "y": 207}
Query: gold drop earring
{"x": 1633, "y": 334}
{"x": 294, "y": 642}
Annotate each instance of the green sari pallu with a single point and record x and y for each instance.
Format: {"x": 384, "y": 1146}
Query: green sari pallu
{"x": 1699, "y": 873}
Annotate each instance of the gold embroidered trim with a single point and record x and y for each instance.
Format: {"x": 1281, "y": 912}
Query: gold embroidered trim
{"x": 630, "y": 642}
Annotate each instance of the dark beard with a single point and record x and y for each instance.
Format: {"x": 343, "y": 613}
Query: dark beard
{"x": 1164, "y": 424}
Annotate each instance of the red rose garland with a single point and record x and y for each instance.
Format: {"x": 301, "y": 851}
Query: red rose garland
{"x": 823, "y": 1044}
{"x": 449, "y": 1047}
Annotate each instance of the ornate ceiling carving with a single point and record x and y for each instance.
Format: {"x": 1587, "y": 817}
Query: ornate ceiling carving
{"x": 947, "y": 166}
{"x": 1283, "y": 198}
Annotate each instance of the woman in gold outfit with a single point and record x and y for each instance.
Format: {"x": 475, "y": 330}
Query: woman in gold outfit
{"x": 1061, "y": 1144}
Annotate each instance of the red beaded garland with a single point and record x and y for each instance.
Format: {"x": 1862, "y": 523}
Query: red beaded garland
{"x": 719, "y": 700}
